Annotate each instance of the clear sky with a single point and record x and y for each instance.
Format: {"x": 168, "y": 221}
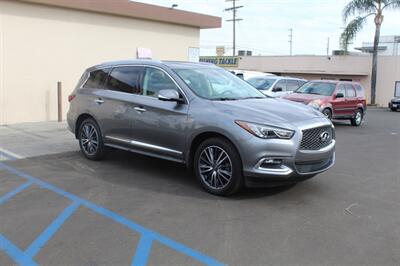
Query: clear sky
{"x": 266, "y": 23}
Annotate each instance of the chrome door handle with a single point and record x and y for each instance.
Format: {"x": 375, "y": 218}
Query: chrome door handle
{"x": 99, "y": 101}
{"x": 140, "y": 109}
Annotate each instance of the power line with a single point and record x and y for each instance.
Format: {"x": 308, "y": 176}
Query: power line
{"x": 234, "y": 9}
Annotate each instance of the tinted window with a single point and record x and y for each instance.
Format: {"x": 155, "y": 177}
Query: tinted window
{"x": 350, "y": 92}
{"x": 261, "y": 83}
{"x": 97, "y": 78}
{"x": 281, "y": 84}
{"x": 292, "y": 84}
{"x": 125, "y": 79}
{"x": 155, "y": 80}
{"x": 318, "y": 88}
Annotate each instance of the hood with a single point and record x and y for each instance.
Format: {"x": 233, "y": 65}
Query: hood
{"x": 304, "y": 97}
{"x": 269, "y": 110}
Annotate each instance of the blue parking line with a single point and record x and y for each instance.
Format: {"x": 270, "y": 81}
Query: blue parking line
{"x": 42, "y": 239}
{"x": 14, "y": 192}
{"x": 147, "y": 236}
{"x": 15, "y": 253}
{"x": 142, "y": 251}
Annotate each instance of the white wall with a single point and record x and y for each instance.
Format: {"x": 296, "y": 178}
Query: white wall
{"x": 41, "y": 45}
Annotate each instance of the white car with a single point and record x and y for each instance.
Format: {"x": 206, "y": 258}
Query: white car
{"x": 246, "y": 74}
{"x": 276, "y": 86}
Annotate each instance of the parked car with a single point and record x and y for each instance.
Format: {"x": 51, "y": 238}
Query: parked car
{"x": 246, "y": 74}
{"x": 394, "y": 104}
{"x": 224, "y": 129}
{"x": 275, "y": 86}
{"x": 335, "y": 99}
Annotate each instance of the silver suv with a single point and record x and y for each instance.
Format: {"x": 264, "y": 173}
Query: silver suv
{"x": 224, "y": 129}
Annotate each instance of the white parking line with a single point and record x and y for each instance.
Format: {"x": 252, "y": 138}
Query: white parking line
{"x": 8, "y": 155}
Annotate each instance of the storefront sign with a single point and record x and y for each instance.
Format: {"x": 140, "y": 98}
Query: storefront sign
{"x": 222, "y": 61}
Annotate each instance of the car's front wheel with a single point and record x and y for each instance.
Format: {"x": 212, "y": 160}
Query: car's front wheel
{"x": 357, "y": 118}
{"x": 393, "y": 109}
{"x": 218, "y": 167}
{"x": 90, "y": 140}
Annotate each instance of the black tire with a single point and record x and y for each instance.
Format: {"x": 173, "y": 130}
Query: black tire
{"x": 96, "y": 152}
{"x": 393, "y": 109}
{"x": 357, "y": 118}
{"x": 328, "y": 113}
{"x": 220, "y": 172}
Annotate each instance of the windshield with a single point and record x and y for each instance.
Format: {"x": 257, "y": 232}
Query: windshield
{"x": 217, "y": 84}
{"x": 318, "y": 88}
{"x": 261, "y": 83}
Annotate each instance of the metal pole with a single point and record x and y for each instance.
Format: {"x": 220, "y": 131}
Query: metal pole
{"x": 291, "y": 41}
{"x": 234, "y": 27}
{"x": 59, "y": 100}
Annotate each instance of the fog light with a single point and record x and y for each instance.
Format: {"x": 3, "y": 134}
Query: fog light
{"x": 271, "y": 163}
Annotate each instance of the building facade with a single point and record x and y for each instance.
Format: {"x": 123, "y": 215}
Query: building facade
{"x": 46, "y": 41}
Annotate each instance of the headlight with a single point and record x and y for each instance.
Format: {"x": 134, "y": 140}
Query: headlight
{"x": 266, "y": 132}
{"x": 315, "y": 104}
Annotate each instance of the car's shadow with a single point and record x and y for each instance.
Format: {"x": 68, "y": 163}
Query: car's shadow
{"x": 129, "y": 169}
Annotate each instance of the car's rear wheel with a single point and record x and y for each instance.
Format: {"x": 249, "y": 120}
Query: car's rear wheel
{"x": 218, "y": 167}
{"x": 90, "y": 140}
{"x": 328, "y": 113}
{"x": 393, "y": 109}
{"x": 357, "y": 118}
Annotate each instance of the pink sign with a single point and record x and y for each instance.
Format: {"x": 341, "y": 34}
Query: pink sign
{"x": 143, "y": 53}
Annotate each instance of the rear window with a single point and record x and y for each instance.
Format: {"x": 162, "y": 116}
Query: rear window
{"x": 125, "y": 79}
{"x": 96, "y": 78}
{"x": 350, "y": 92}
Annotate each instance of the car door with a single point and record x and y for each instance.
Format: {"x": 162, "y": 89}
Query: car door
{"x": 351, "y": 99}
{"x": 339, "y": 103}
{"x": 279, "y": 89}
{"x": 116, "y": 104}
{"x": 291, "y": 85}
{"x": 160, "y": 126}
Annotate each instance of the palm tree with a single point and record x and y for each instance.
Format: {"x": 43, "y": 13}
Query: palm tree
{"x": 364, "y": 9}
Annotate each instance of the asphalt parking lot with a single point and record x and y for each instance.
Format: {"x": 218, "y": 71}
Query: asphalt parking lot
{"x": 61, "y": 209}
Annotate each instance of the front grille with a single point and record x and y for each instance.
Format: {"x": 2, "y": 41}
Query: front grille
{"x": 309, "y": 167}
{"x": 312, "y": 138}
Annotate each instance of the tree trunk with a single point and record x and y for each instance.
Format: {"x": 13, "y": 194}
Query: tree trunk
{"x": 375, "y": 62}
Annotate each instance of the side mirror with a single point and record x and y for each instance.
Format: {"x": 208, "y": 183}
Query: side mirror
{"x": 169, "y": 95}
{"x": 339, "y": 95}
{"x": 277, "y": 89}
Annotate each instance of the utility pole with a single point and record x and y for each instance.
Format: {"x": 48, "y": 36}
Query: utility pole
{"x": 327, "y": 47}
{"x": 234, "y": 8}
{"x": 291, "y": 41}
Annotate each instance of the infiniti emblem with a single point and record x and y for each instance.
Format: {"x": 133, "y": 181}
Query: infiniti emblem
{"x": 324, "y": 136}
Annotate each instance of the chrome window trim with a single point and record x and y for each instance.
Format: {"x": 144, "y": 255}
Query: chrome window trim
{"x": 144, "y": 145}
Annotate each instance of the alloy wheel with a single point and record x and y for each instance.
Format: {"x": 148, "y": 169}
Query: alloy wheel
{"x": 358, "y": 118}
{"x": 89, "y": 139}
{"x": 215, "y": 167}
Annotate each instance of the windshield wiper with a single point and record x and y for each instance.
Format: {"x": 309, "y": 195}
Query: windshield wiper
{"x": 255, "y": 97}
{"x": 225, "y": 99}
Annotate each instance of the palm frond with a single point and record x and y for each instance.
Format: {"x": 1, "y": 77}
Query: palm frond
{"x": 351, "y": 31}
{"x": 391, "y": 4}
{"x": 359, "y": 7}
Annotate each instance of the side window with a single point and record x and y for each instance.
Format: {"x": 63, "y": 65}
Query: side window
{"x": 292, "y": 85}
{"x": 155, "y": 80}
{"x": 125, "y": 79}
{"x": 96, "y": 78}
{"x": 350, "y": 92}
{"x": 341, "y": 89}
{"x": 280, "y": 84}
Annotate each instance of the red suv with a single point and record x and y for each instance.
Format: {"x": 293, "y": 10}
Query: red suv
{"x": 335, "y": 99}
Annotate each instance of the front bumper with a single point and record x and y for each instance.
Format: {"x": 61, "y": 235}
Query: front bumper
{"x": 394, "y": 105}
{"x": 293, "y": 164}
